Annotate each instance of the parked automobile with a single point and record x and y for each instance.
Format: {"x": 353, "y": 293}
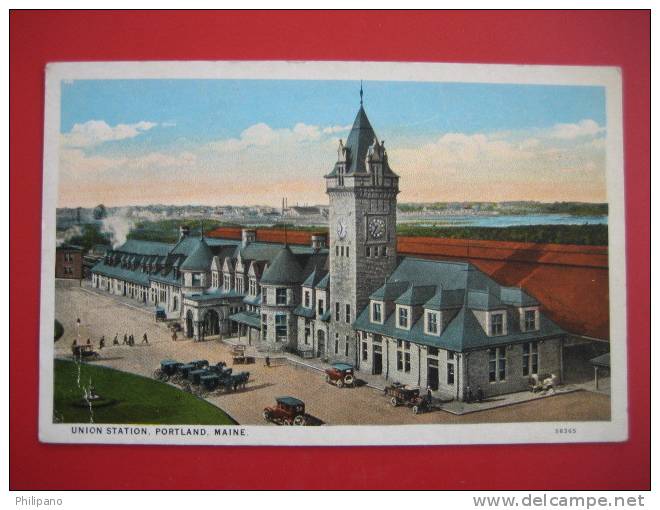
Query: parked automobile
{"x": 160, "y": 314}
{"x": 287, "y": 411}
{"x": 404, "y": 395}
{"x": 84, "y": 351}
{"x": 340, "y": 374}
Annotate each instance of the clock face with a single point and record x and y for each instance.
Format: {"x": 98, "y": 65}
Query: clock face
{"x": 342, "y": 229}
{"x": 376, "y": 228}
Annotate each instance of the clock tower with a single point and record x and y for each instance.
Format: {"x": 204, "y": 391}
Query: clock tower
{"x": 362, "y": 189}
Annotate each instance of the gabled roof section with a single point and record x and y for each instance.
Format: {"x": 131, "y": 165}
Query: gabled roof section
{"x": 484, "y": 300}
{"x": 517, "y": 297}
{"x": 443, "y": 299}
{"x": 390, "y": 291}
{"x": 324, "y": 283}
{"x": 416, "y": 295}
{"x": 314, "y": 278}
{"x": 284, "y": 270}
{"x": 200, "y": 258}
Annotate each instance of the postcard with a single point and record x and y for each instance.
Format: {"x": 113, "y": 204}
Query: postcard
{"x": 332, "y": 253}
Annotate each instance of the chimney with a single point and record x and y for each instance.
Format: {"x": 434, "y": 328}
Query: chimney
{"x": 184, "y": 231}
{"x": 318, "y": 241}
{"x": 248, "y": 236}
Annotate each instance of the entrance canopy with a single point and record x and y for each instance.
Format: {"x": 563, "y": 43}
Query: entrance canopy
{"x": 248, "y": 318}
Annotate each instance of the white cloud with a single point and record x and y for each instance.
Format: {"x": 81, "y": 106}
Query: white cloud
{"x": 335, "y": 129}
{"x": 585, "y": 127}
{"x": 95, "y": 132}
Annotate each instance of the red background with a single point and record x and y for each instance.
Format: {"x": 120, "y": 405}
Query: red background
{"x": 571, "y": 38}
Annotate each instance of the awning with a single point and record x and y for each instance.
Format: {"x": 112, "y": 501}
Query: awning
{"x": 601, "y": 361}
{"x": 247, "y": 318}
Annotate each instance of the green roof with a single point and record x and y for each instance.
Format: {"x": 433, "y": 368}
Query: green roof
{"x": 284, "y": 270}
{"x": 301, "y": 311}
{"x": 121, "y": 273}
{"x": 139, "y": 247}
{"x": 416, "y": 295}
{"x": 248, "y": 318}
{"x": 445, "y": 299}
{"x": 389, "y": 291}
{"x": 324, "y": 283}
{"x": 200, "y": 258}
{"x": 601, "y": 361}
{"x": 484, "y": 300}
{"x": 314, "y": 278}
{"x": 463, "y": 333}
{"x": 517, "y": 297}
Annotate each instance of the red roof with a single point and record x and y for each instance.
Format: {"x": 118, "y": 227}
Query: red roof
{"x": 570, "y": 281}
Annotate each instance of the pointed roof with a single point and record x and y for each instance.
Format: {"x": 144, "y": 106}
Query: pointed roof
{"x": 416, "y": 295}
{"x": 284, "y": 270}
{"x": 200, "y": 258}
{"x": 359, "y": 140}
{"x": 314, "y": 277}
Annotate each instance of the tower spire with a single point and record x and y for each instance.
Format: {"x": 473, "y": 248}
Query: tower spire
{"x": 361, "y": 93}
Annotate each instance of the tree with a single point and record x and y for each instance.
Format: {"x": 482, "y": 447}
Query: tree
{"x": 100, "y": 212}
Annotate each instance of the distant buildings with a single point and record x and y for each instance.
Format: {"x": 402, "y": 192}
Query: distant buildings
{"x": 69, "y": 261}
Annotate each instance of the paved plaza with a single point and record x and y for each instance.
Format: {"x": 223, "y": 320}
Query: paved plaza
{"x": 104, "y": 315}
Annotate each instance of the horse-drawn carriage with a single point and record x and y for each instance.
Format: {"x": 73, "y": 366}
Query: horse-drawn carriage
{"x": 403, "y": 395}
{"x": 84, "y": 352}
{"x": 168, "y": 368}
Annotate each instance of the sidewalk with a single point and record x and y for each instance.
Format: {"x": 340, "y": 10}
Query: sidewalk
{"x": 455, "y": 407}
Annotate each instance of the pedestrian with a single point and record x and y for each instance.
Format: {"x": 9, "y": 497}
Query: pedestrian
{"x": 267, "y": 361}
{"x": 468, "y": 397}
{"x": 115, "y": 340}
{"x": 125, "y": 339}
{"x": 144, "y": 338}
{"x": 102, "y": 342}
{"x": 174, "y": 337}
{"x": 429, "y": 395}
{"x": 89, "y": 341}
{"x": 480, "y": 394}
{"x": 131, "y": 340}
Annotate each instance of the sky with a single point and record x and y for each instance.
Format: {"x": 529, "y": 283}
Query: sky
{"x": 244, "y": 142}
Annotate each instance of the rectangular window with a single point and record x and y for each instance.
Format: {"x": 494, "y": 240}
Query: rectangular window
{"x": 280, "y": 296}
{"x": 450, "y": 373}
{"x": 376, "y": 312}
{"x": 384, "y": 251}
{"x": 341, "y": 251}
{"x": 348, "y": 314}
{"x": 432, "y": 322}
{"x": 530, "y": 358}
{"x": 433, "y": 351}
{"x": 263, "y": 295}
{"x": 368, "y": 251}
{"x": 280, "y": 327}
{"x": 321, "y": 310}
{"x": 337, "y": 311}
{"x": 346, "y": 346}
{"x": 227, "y": 282}
{"x": 253, "y": 287}
{"x": 196, "y": 279}
{"x": 337, "y": 251}
{"x": 403, "y": 317}
{"x": 264, "y": 325}
{"x": 336, "y": 343}
{"x": 364, "y": 351}
{"x": 497, "y": 364}
{"x": 347, "y": 252}
{"x": 496, "y": 324}
{"x": 403, "y": 356}
{"x": 399, "y": 361}
{"x": 530, "y": 320}
{"x": 307, "y": 298}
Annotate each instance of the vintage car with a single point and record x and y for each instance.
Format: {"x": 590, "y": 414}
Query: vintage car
{"x": 168, "y": 368}
{"x": 340, "y": 374}
{"x": 403, "y": 395}
{"x": 160, "y": 314}
{"x": 287, "y": 411}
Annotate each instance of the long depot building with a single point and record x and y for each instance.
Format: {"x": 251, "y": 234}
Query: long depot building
{"x": 437, "y": 324}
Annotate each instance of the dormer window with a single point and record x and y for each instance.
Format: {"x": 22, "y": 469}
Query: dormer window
{"x": 263, "y": 295}
{"x": 280, "y": 296}
{"x": 307, "y": 298}
{"x": 432, "y": 323}
{"x": 377, "y": 312}
{"x": 321, "y": 306}
{"x": 215, "y": 279}
{"x": 197, "y": 279}
{"x": 253, "y": 287}
{"x": 529, "y": 319}
{"x": 227, "y": 282}
{"x": 496, "y": 324}
{"x": 403, "y": 317}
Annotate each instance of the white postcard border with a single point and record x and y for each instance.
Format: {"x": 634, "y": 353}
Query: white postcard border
{"x": 335, "y": 435}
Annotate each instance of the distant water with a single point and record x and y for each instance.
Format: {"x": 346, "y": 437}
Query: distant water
{"x": 504, "y": 221}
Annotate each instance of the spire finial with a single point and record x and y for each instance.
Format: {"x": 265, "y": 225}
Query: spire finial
{"x": 361, "y": 93}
